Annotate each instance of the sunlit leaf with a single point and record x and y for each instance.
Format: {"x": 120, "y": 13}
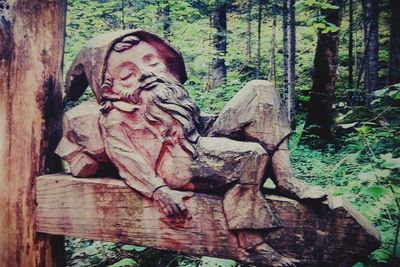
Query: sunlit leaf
{"x": 391, "y": 163}
{"x": 347, "y": 125}
{"x": 133, "y": 248}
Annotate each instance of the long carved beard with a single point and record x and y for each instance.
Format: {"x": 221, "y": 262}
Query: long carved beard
{"x": 161, "y": 97}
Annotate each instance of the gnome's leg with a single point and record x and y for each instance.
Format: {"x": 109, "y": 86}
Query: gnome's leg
{"x": 239, "y": 169}
{"x": 255, "y": 114}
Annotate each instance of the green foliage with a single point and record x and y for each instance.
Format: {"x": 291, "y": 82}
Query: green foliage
{"x": 215, "y": 262}
{"x": 126, "y": 262}
{"x": 318, "y": 22}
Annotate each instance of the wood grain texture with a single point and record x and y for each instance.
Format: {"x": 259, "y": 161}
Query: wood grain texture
{"x": 31, "y": 49}
{"x": 328, "y": 234}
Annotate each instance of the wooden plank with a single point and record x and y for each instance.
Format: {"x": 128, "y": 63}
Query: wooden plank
{"x": 31, "y": 51}
{"x": 329, "y": 234}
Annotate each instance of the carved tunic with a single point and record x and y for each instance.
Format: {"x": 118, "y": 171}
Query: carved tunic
{"x": 149, "y": 150}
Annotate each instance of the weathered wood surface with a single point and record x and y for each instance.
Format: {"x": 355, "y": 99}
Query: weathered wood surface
{"x": 327, "y": 234}
{"x": 31, "y": 50}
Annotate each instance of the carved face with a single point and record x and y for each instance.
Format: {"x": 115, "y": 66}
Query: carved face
{"x": 126, "y": 67}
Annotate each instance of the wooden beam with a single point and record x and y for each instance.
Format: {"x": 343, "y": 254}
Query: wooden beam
{"x": 31, "y": 51}
{"x": 328, "y": 234}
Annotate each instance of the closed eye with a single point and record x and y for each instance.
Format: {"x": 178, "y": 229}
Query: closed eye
{"x": 154, "y": 64}
{"x": 127, "y": 76}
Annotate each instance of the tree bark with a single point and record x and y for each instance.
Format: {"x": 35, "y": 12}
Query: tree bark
{"x": 218, "y": 70}
{"x": 259, "y": 20}
{"x": 166, "y": 20}
{"x": 371, "y": 41}
{"x": 31, "y": 45}
{"x": 272, "y": 63}
{"x": 248, "y": 32}
{"x": 123, "y": 14}
{"x": 291, "y": 100}
{"x": 285, "y": 21}
{"x": 394, "y": 43}
{"x": 319, "y": 118}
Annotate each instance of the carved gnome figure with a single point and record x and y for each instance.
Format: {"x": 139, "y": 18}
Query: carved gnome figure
{"x": 145, "y": 124}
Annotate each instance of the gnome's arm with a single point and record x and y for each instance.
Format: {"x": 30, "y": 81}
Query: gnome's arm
{"x": 132, "y": 167}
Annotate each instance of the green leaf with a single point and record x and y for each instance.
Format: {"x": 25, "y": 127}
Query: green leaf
{"x": 391, "y": 163}
{"x": 386, "y": 156}
{"x": 363, "y": 129}
{"x": 372, "y": 175}
{"x": 380, "y": 93}
{"x": 381, "y": 255}
{"x": 133, "y": 248}
{"x": 215, "y": 262}
{"x": 347, "y": 125}
{"x": 396, "y": 96}
{"x": 375, "y": 190}
{"x": 124, "y": 263}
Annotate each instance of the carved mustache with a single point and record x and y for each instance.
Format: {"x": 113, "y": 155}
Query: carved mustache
{"x": 149, "y": 80}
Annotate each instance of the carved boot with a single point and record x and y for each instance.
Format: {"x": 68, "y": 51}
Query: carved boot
{"x": 256, "y": 250}
{"x": 286, "y": 183}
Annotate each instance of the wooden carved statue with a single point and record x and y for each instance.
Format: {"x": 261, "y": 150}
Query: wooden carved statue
{"x": 146, "y": 126}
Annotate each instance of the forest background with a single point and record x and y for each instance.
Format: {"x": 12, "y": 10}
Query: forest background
{"x": 337, "y": 66}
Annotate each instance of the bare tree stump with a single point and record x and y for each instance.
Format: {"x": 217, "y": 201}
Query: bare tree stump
{"x": 326, "y": 234}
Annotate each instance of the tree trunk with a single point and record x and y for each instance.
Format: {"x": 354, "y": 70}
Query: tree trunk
{"x": 258, "y": 73}
{"x": 291, "y": 100}
{"x": 319, "y": 118}
{"x": 394, "y": 43}
{"x": 31, "y": 45}
{"x": 272, "y": 63}
{"x": 248, "y": 32}
{"x": 218, "y": 71}
{"x": 371, "y": 63}
{"x": 285, "y": 12}
{"x": 350, "y": 51}
{"x": 123, "y": 14}
{"x": 166, "y": 20}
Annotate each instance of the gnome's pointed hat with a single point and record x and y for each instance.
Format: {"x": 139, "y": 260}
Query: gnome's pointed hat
{"x": 90, "y": 64}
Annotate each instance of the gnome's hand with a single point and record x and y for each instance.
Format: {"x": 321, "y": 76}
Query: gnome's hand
{"x": 170, "y": 202}
{"x": 106, "y": 106}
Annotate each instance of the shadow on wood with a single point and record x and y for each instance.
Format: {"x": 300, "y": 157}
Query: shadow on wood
{"x": 328, "y": 234}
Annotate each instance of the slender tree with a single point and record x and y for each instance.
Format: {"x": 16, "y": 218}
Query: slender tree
{"x": 351, "y": 44}
{"x": 272, "y": 62}
{"x": 285, "y": 12}
{"x": 319, "y": 118}
{"x": 394, "y": 43}
{"x": 291, "y": 98}
{"x": 218, "y": 68}
{"x": 166, "y": 20}
{"x": 248, "y": 32}
{"x": 123, "y": 14}
{"x": 371, "y": 43}
{"x": 260, "y": 6}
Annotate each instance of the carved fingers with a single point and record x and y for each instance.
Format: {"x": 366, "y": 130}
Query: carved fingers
{"x": 171, "y": 204}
